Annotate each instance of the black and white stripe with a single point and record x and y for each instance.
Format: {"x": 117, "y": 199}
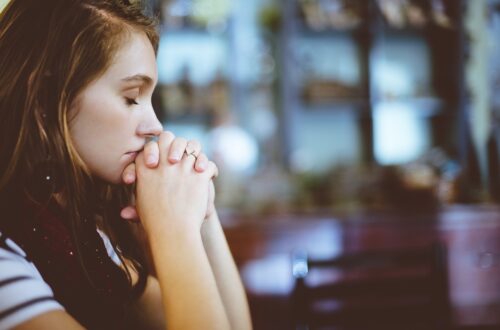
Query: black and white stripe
{"x": 23, "y": 292}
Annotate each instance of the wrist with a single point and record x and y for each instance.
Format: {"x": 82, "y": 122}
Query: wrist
{"x": 211, "y": 229}
{"x": 171, "y": 231}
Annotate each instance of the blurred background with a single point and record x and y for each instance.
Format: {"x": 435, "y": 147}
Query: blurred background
{"x": 343, "y": 126}
{"x": 345, "y": 129}
{"x": 333, "y": 105}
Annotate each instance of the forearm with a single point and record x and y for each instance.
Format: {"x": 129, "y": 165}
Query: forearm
{"x": 189, "y": 291}
{"x": 226, "y": 274}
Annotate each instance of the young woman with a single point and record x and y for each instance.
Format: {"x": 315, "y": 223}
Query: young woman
{"x": 87, "y": 176}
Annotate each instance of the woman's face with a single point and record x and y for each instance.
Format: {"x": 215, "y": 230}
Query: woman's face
{"x": 113, "y": 116}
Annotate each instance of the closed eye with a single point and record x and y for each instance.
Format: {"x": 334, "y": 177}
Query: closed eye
{"x": 131, "y": 101}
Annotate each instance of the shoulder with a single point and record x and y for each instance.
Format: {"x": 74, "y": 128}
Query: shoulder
{"x": 23, "y": 292}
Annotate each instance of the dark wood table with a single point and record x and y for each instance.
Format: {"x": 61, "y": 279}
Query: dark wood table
{"x": 262, "y": 247}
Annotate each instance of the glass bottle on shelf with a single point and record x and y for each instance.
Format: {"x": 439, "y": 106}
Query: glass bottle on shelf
{"x": 187, "y": 91}
{"x": 218, "y": 95}
{"x": 176, "y": 98}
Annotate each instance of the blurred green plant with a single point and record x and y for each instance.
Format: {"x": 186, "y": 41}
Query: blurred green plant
{"x": 270, "y": 17}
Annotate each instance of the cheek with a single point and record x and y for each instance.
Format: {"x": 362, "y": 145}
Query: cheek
{"x": 90, "y": 126}
{"x": 105, "y": 116}
{"x": 99, "y": 132}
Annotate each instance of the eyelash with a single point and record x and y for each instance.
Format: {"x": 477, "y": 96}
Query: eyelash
{"x": 130, "y": 101}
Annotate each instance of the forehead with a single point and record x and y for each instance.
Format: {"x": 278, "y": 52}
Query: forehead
{"x": 135, "y": 56}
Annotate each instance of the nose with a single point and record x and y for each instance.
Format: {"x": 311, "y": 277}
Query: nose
{"x": 150, "y": 125}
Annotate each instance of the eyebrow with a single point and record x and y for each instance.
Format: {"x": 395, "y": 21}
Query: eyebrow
{"x": 139, "y": 77}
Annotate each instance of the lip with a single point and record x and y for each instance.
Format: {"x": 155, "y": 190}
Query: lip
{"x": 136, "y": 150}
{"x": 132, "y": 154}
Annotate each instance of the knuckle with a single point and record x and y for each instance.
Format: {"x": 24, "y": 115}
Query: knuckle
{"x": 212, "y": 166}
{"x": 166, "y": 137}
{"x": 180, "y": 141}
{"x": 216, "y": 169}
{"x": 167, "y": 134}
{"x": 195, "y": 143}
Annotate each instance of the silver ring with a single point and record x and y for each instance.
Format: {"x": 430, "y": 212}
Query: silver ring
{"x": 191, "y": 154}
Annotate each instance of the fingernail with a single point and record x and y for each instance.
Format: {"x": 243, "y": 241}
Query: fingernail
{"x": 151, "y": 160}
{"x": 124, "y": 214}
{"x": 175, "y": 157}
{"x": 202, "y": 165}
{"x": 129, "y": 178}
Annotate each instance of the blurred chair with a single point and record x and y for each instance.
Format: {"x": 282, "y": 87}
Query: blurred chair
{"x": 396, "y": 289}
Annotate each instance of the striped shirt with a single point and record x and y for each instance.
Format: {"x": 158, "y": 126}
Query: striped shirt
{"x": 23, "y": 292}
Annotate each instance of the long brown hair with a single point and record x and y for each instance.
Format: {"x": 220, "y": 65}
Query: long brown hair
{"x": 50, "y": 51}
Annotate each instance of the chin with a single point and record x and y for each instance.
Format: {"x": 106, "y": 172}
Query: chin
{"x": 116, "y": 179}
{"x": 111, "y": 178}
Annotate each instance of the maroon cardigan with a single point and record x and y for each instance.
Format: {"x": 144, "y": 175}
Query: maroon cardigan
{"x": 45, "y": 237}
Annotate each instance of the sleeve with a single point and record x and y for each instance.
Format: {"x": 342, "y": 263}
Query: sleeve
{"x": 23, "y": 292}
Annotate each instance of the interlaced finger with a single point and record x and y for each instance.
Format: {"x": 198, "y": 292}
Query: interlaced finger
{"x": 164, "y": 143}
{"x": 177, "y": 148}
{"x": 193, "y": 148}
{"x": 152, "y": 153}
{"x": 128, "y": 175}
{"x": 201, "y": 163}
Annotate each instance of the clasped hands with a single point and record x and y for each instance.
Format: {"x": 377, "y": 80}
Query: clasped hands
{"x": 170, "y": 167}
